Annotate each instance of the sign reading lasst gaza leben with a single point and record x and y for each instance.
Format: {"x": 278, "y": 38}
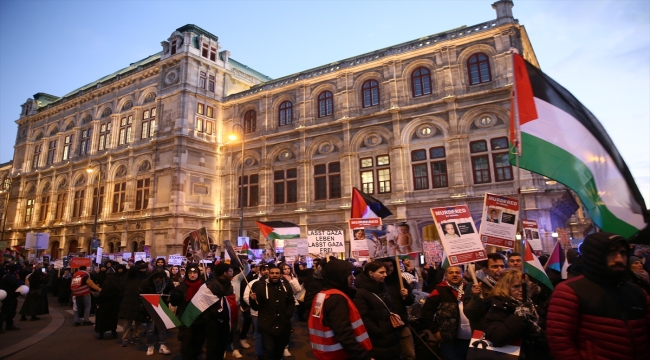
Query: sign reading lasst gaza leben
{"x": 458, "y": 234}
{"x": 499, "y": 221}
{"x": 325, "y": 241}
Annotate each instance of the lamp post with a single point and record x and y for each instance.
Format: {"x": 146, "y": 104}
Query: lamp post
{"x": 99, "y": 182}
{"x": 6, "y": 188}
{"x": 233, "y": 137}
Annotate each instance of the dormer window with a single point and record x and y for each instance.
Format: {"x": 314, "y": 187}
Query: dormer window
{"x": 173, "y": 47}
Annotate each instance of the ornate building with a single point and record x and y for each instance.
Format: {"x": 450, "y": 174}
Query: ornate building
{"x": 418, "y": 125}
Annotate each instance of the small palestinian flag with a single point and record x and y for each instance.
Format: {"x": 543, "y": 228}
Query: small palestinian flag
{"x": 273, "y": 230}
{"x": 557, "y": 259}
{"x": 245, "y": 250}
{"x": 558, "y": 137}
{"x": 534, "y": 268}
{"x": 159, "y": 312}
{"x": 365, "y": 206}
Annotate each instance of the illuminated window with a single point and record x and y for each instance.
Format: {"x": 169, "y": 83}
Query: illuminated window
{"x": 119, "y": 197}
{"x": 142, "y": 194}
{"x": 375, "y": 174}
{"x": 51, "y": 152}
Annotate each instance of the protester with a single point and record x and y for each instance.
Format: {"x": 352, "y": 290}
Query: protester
{"x": 443, "y": 314}
{"x": 477, "y": 307}
{"x": 402, "y": 296}
{"x": 36, "y": 301}
{"x": 600, "y": 314}
{"x": 239, "y": 275}
{"x": 80, "y": 287}
{"x": 193, "y": 337}
{"x": 10, "y": 282}
{"x": 335, "y": 312}
{"x": 375, "y": 306}
{"x": 108, "y": 303}
{"x": 512, "y": 316}
{"x": 130, "y": 314}
{"x": 64, "y": 287}
{"x": 639, "y": 275}
{"x": 50, "y": 280}
{"x": 314, "y": 284}
{"x": 157, "y": 283}
{"x": 175, "y": 275}
{"x": 257, "y": 336}
{"x": 222, "y": 315}
{"x": 515, "y": 261}
{"x": 275, "y": 304}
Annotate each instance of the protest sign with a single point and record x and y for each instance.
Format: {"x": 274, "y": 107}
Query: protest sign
{"x": 175, "y": 259}
{"x": 126, "y": 256}
{"x": 302, "y": 246}
{"x": 77, "y": 262}
{"x": 531, "y": 233}
{"x": 325, "y": 241}
{"x": 458, "y": 234}
{"x": 58, "y": 264}
{"x": 255, "y": 254}
{"x": 358, "y": 244}
{"x": 241, "y": 240}
{"x": 432, "y": 252}
{"x": 499, "y": 221}
{"x": 118, "y": 259}
{"x": 98, "y": 257}
{"x": 140, "y": 256}
{"x": 290, "y": 247}
{"x": 234, "y": 259}
{"x": 392, "y": 240}
{"x": 37, "y": 240}
{"x": 564, "y": 238}
{"x": 361, "y": 223}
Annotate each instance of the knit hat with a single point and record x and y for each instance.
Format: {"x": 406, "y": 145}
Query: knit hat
{"x": 220, "y": 268}
{"x": 594, "y": 252}
{"x": 633, "y": 259}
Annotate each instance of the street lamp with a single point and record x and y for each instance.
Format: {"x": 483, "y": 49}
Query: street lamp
{"x": 99, "y": 182}
{"x": 6, "y": 188}
{"x": 233, "y": 137}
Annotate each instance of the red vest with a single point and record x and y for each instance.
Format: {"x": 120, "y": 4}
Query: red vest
{"x": 78, "y": 285}
{"x": 323, "y": 344}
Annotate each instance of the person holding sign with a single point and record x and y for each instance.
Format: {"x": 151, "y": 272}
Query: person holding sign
{"x": 400, "y": 292}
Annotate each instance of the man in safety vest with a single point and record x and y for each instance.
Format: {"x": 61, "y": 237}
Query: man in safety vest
{"x": 336, "y": 330}
{"x": 80, "y": 287}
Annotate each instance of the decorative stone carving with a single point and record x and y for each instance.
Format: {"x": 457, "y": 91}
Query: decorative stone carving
{"x": 63, "y": 184}
{"x": 171, "y": 76}
{"x": 372, "y": 140}
{"x": 144, "y": 167}
{"x": 326, "y": 148}
{"x": 121, "y": 172}
{"x": 81, "y": 180}
{"x": 107, "y": 112}
{"x": 150, "y": 97}
{"x": 86, "y": 119}
{"x": 127, "y": 105}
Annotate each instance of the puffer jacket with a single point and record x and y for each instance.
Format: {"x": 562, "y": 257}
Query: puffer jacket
{"x": 599, "y": 315}
{"x": 376, "y": 317}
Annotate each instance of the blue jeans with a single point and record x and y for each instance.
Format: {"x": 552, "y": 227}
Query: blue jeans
{"x": 259, "y": 347}
{"x": 152, "y": 330}
{"x": 456, "y": 350}
{"x": 86, "y": 305}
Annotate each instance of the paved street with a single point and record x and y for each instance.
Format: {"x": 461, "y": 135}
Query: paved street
{"x": 55, "y": 337}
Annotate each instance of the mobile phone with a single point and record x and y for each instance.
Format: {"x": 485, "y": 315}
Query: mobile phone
{"x": 43, "y": 270}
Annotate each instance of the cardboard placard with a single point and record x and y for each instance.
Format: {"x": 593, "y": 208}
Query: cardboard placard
{"x": 531, "y": 234}
{"x": 392, "y": 240}
{"x": 290, "y": 247}
{"x": 325, "y": 241}
{"x": 499, "y": 221}
{"x": 458, "y": 234}
{"x": 140, "y": 256}
{"x": 358, "y": 244}
{"x": 77, "y": 262}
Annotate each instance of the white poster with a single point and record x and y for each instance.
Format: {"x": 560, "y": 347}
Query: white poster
{"x": 303, "y": 246}
{"x": 126, "y": 256}
{"x": 140, "y": 256}
{"x": 37, "y": 240}
{"x": 531, "y": 233}
{"x": 58, "y": 264}
{"x": 98, "y": 258}
{"x": 392, "y": 240}
{"x": 326, "y": 241}
{"x": 358, "y": 244}
{"x": 458, "y": 234}
{"x": 499, "y": 221}
{"x": 176, "y": 259}
{"x": 290, "y": 247}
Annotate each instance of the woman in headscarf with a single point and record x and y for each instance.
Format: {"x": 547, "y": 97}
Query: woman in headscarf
{"x": 108, "y": 303}
{"x": 639, "y": 275}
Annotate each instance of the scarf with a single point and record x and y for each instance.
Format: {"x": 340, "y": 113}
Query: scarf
{"x": 457, "y": 290}
{"x": 192, "y": 288}
{"x": 642, "y": 275}
{"x": 527, "y": 311}
{"x": 160, "y": 286}
{"x": 490, "y": 280}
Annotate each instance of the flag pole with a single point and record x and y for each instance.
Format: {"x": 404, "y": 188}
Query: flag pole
{"x": 517, "y": 147}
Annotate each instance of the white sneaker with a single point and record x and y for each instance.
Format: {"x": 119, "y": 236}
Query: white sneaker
{"x": 163, "y": 349}
{"x": 244, "y": 344}
{"x": 150, "y": 350}
{"x": 237, "y": 355}
{"x": 286, "y": 353}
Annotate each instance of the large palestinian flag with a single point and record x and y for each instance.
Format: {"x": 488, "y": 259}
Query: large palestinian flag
{"x": 562, "y": 140}
{"x": 159, "y": 312}
{"x": 273, "y": 230}
{"x": 365, "y": 206}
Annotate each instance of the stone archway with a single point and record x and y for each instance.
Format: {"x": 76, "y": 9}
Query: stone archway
{"x": 54, "y": 250}
{"x": 73, "y": 246}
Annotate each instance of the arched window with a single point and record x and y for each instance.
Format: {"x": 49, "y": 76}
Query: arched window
{"x": 370, "y": 93}
{"x": 285, "y": 113}
{"x": 250, "y": 121}
{"x": 325, "y": 104}
{"x": 478, "y": 67}
{"x": 421, "y": 82}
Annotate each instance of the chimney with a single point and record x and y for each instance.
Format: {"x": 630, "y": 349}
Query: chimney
{"x": 504, "y": 11}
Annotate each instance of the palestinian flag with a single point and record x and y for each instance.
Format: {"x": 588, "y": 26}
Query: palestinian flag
{"x": 273, "y": 230}
{"x": 534, "y": 268}
{"x": 203, "y": 299}
{"x": 365, "y": 206}
{"x": 557, "y": 259}
{"x": 159, "y": 312}
{"x": 245, "y": 250}
{"x": 559, "y": 138}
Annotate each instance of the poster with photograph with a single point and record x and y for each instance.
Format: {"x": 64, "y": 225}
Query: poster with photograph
{"x": 432, "y": 251}
{"x": 499, "y": 221}
{"x": 458, "y": 234}
{"x": 326, "y": 241}
{"x": 392, "y": 240}
{"x": 531, "y": 233}
{"x": 358, "y": 244}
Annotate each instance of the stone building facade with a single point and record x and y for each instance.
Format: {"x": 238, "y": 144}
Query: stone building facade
{"x": 418, "y": 125}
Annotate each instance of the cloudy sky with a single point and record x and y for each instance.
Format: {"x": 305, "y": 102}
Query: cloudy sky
{"x": 599, "y": 50}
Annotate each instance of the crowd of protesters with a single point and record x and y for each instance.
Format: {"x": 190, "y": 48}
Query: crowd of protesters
{"x": 382, "y": 309}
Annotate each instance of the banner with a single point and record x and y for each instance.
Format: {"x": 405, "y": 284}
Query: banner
{"x": 175, "y": 259}
{"x": 290, "y": 247}
{"x": 126, "y": 256}
{"x": 531, "y": 233}
{"x": 392, "y": 240}
{"x": 499, "y": 221}
{"x": 77, "y": 262}
{"x": 360, "y": 223}
{"x": 432, "y": 251}
{"x": 458, "y": 234}
{"x": 326, "y": 241}
{"x": 140, "y": 256}
{"x": 37, "y": 240}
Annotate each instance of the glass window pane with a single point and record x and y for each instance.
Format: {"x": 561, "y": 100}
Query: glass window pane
{"x": 320, "y": 185}
{"x": 334, "y": 167}
{"x": 367, "y": 162}
{"x": 335, "y": 186}
{"x": 499, "y": 143}
{"x": 319, "y": 169}
{"x": 418, "y": 155}
{"x": 292, "y": 173}
{"x": 383, "y": 160}
{"x": 278, "y": 175}
{"x": 437, "y": 152}
{"x": 478, "y": 146}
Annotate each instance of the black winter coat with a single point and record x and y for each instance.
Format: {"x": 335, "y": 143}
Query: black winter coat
{"x": 441, "y": 312}
{"x": 148, "y": 286}
{"x": 275, "y": 305}
{"x": 177, "y": 298}
{"x": 393, "y": 289}
{"x": 376, "y": 317}
{"x": 108, "y": 303}
{"x": 131, "y": 307}
{"x": 36, "y": 301}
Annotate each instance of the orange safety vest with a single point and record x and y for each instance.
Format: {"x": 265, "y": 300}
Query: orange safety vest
{"x": 323, "y": 344}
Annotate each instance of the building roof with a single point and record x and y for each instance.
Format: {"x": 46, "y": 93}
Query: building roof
{"x": 245, "y": 69}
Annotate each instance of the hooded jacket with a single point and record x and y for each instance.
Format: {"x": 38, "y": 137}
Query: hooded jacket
{"x": 275, "y": 305}
{"x": 131, "y": 306}
{"x": 393, "y": 288}
{"x": 599, "y": 315}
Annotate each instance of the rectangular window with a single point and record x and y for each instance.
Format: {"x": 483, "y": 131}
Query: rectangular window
{"x": 125, "y": 130}
{"x": 200, "y": 109}
{"x": 481, "y": 169}
{"x": 66, "y": 147}
{"x": 477, "y": 146}
{"x": 119, "y": 196}
{"x": 59, "y": 211}
{"x": 84, "y": 146}
{"x": 502, "y": 167}
{"x": 375, "y": 179}
{"x": 420, "y": 177}
{"x": 251, "y": 191}
{"x": 439, "y": 172}
{"x": 499, "y": 143}
{"x": 204, "y": 50}
{"x": 78, "y": 203}
{"x": 29, "y": 211}
{"x": 383, "y": 179}
{"x": 97, "y": 200}
{"x": 368, "y": 182}
{"x": 209, "y": 112}
{"x": 148, "y": 123}
{"x": 213, "y": 54}
{"x": 437, "y": 152}
{"x": 142, "y": 194}
{"x": 202, "y": 79}
{"x": 327, "y": 181}
{"x": 45, "y": 208}
{"x": 173, "y": 47}
{"x": 285, "y": 186}
{"x": 51, "y": 152}
{"x": 104, "y": 136}
{"x": 211, "y": 83}
{"x": 37, "y": 156}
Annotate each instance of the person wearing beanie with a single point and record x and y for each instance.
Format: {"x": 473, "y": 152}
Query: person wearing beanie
{"x": 639, "y": 276}
{"x": 600, "y": 314}
{"x": 192, "y": 337}
{"x": 157, "y": 283}
{"x": 221, "y": 317}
